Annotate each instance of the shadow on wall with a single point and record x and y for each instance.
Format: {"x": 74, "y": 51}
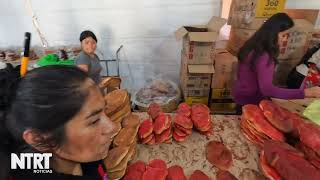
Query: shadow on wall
{"x": 105, "y": 51}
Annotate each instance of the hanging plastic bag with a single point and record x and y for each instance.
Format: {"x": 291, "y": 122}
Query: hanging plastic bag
{"x": 312, "y": 112}
{"x": 313, "y": 77}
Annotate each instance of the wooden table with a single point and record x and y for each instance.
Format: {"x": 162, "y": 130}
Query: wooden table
{"x": 295, "y": 105}
{"x": 191, "y": 154}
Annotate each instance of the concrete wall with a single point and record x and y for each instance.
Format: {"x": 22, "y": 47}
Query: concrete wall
{"x": 144, "y": 27}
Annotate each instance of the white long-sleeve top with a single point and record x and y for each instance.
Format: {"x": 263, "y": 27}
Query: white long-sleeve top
{"x": 315, "y": 58}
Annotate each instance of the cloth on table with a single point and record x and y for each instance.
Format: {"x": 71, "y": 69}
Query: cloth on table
{"x": 53, "y": 59}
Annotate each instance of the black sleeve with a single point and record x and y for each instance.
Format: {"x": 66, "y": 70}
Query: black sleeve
{"x": 90, "y": 168}
{"x": 308, "y": 54}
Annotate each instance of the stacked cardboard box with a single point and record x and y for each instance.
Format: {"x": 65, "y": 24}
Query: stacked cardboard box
{"x": 225, "y": 65}
{"x": 222, "y": 102}
{"x": 250, "y": 14}
{"x": 246, "y": 17}
{"x": 237, "y": 39}
{"x": 197, "y": 56}
{"x": 315, "y": 39}
{"x": 195, "y": 81}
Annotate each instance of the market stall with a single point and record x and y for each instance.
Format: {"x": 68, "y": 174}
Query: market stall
{"x": 219, "y": 121}
{"x": 195, "y": 140}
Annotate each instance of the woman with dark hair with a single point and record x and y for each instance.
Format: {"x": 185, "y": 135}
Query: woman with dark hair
{"x": 58, "y": 110}
{"x": 87, "y": 60}
{"x": 257, "y": 60}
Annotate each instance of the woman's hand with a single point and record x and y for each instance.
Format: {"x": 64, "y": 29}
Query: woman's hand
{"x": 313, "y": 92}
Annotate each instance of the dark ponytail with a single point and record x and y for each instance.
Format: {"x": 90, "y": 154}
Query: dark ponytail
{"x": 9, "y": 78}
{"x": 44, "y": 100}
{"x": 265, "y": 39}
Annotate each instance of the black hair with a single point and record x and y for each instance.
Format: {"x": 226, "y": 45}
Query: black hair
{"x": 265, "y": 39}
{"x": 43, "y": 100}
{"x": 87, "y": 33}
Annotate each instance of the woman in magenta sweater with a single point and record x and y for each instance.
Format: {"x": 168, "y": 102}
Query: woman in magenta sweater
{"x": 257, "y": 60}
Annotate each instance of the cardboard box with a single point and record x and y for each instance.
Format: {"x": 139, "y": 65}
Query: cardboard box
{"x": 267, "y": 8}
{"x": 224, "y": 106}
{"x": 221, "y": 94}
{"x": 250, "y": 14}
{"x": 297, "y": 43}
{"x": 196, "y": 92}
{"x": 233, "y": 48}
{"x": 310, "y": 15}
{"x": 199, "y": 41}
{"x": 315, "y": 38}
{"x": 253, "y": 24}
{"x": 282, "y": 71}
{"x": 200, "y": 80}
{"x": 196, "y": 80}
{"x": 221, "y": 45}
{"x": 196, "y": 100}
{"x": 222, "y": 80}
{"x": 195, "y": 77}
{"x": 225, "y": 65}
{"x": 199, "y": 53}
{"x": 224, "y": 61}
{"x": 237, "y": 39}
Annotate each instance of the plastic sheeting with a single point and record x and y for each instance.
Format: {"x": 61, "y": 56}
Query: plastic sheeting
{"x": 144, "y": 27}
{"x": 312, "y": 112}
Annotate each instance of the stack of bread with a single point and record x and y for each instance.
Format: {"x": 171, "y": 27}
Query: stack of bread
{"x": 157, "y": 129}
{"x": 146, "y": 135}
{"x": 117, "y": 105}
{"x": 201, "y": 118}
{"x": 182, "y": 123}
{"x": 124, "y": 147}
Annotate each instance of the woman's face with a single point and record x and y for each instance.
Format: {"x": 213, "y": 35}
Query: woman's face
{"x": 283, "y": 38}
{"x": 89, "y": 133}
{"x": 89, "y": 45}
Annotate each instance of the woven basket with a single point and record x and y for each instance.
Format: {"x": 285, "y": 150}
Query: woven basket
{"x": 169, "y": 107}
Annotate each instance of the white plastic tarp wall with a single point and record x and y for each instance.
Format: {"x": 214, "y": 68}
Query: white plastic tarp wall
{"x": 144, "y": 27}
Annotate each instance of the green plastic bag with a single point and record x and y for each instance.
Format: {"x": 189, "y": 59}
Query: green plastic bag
{"x": 53, "y": 59}
{"x": 312, "y": 112}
